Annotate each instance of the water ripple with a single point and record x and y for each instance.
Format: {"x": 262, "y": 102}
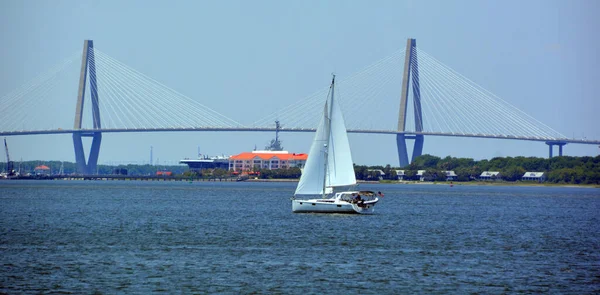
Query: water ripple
{"x": 136, "y": 237}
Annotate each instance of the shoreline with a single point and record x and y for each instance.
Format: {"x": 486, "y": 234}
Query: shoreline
{"x": 383, "y": 182}
{"x": 468, "y": 183}
{"x": 478, "y": 183}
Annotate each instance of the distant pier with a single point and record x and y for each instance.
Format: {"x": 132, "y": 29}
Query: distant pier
{"x": 118, "y": 177}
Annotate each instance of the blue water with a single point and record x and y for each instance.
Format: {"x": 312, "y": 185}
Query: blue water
{"x": 178, "y": 237}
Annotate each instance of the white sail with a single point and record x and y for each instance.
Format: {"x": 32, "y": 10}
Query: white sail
{"x": 311, "y": 180}
{"x": 340, "y": 164}
{"x": 331, "y": 140}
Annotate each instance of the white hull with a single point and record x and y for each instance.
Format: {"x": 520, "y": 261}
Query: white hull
{"x": 332, "y": 206}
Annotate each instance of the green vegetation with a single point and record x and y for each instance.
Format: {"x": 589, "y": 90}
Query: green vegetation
{"x": 289, "y": 173}
{"x": 70, "y": 168}
{"x": 560, "y": 170}
{"x": 563, "y": 170}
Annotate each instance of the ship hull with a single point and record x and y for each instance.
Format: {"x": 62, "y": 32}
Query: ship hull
{"x": 332, "y": 206}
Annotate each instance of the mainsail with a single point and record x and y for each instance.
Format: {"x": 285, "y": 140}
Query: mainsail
{"x": 330, "y": 140}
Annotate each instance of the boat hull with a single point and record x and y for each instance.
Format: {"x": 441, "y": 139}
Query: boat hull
{"x": 330, "y": 206}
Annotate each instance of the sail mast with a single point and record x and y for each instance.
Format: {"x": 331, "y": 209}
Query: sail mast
{"x": 328, "y": 132}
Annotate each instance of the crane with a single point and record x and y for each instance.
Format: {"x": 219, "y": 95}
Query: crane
{"x": 9, "y": 164}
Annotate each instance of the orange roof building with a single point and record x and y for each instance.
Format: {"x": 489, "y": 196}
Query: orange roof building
{"x": 255, "y": 160}
{"x": 41, "y": 170}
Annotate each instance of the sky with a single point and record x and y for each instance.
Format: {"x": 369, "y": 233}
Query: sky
{"x": 248, "y": 58}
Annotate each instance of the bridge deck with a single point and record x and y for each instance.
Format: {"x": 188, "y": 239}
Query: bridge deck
{"x": 269, "y": 129}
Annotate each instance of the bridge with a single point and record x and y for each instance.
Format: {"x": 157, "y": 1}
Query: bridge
{"x": 431, "y": 100}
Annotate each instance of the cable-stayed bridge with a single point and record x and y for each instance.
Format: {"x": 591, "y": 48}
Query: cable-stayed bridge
{"x": 412, "y": 94}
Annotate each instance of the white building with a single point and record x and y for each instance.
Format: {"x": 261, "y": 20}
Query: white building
{"x": 450, "y": 175}
{"x": 420, "y": 174}
{"x": 400, "y": 174}
{"x": 490, "y": 175}
{"x": 534, "y": 176}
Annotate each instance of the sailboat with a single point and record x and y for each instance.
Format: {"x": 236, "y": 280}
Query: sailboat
{"x": 329, "y": 166}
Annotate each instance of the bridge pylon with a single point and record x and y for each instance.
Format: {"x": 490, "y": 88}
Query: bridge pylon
{"x": 411, "y": 66}
{"x": 88, "y": 69}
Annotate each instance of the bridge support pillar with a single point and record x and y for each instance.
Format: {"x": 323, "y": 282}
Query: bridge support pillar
{"x": 551, "y": 144}
{"x": 88, "y": 168}
{"x": 88, "y": 68}
{"x": 411, "y": 74}
{"x": 418, "y": 148}
{"x": 402, "y": 152}
{"x": 560, "y": 149}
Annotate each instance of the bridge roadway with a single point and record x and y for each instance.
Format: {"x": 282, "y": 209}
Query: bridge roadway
{"x": 268, "y": 129}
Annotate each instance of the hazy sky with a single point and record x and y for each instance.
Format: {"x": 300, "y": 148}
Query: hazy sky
{"x": 247, "y": 58}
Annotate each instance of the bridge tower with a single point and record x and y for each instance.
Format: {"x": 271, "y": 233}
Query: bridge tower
{"x": 88, "y": 69}
{"x": 411, "y": 66}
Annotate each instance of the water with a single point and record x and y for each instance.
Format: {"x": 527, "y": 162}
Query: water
{"x": 179, "y": 237}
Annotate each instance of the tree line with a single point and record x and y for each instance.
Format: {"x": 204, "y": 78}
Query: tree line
{"x": 69, "y": 168}
{"x": 288, "y": 173}
{"x": 565, "y": 169}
